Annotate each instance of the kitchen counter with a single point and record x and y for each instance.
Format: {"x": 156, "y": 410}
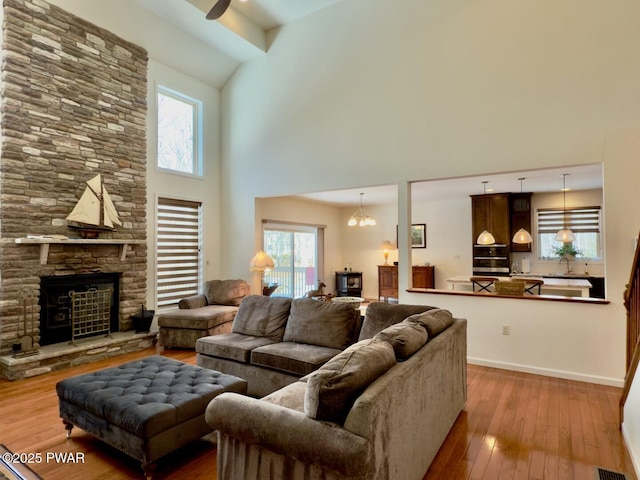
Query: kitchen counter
{"x": 556, "y": 275}
{"x": 552, "y": 286}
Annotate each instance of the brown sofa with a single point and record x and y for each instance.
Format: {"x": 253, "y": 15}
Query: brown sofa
{"x": 209, "y": 313}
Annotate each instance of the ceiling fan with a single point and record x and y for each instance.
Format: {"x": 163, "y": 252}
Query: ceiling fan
{"x": 218, "y": 9}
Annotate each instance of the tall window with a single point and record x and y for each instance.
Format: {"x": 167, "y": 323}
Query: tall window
{"x": 179, "y": 132}
{"x": 585, "y": 223}
{"x": 297, "y": 253}
{"x": 178, "y": 251}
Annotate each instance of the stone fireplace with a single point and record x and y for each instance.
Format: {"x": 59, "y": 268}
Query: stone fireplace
{"x": 73, "y": 106}
{"x": 57, "y": 305}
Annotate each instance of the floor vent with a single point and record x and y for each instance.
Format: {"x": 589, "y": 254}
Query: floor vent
{"x": 604, "y": 474}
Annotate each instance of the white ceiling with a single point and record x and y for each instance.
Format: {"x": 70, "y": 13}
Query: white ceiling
{"x": 269, "y": 14}
{"x": 549, "y": 180}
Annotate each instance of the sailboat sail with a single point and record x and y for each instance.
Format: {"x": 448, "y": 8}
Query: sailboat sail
{"x": 95, "y": 206}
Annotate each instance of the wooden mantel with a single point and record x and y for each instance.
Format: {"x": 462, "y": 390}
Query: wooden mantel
{"x": 45, "y": 242}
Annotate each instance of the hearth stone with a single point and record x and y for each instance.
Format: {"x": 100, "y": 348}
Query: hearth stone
{"x": 59, "y": 356}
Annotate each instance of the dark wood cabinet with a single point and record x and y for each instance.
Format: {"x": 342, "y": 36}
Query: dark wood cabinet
{"x": 520, "y": 216}
{"x": 387, "y": 281}
{"x": 491, "y": 212}
{"x": 421, "y": 277}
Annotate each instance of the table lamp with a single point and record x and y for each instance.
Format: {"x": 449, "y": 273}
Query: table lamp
{"x": 385, "y": 247}
{"x": 261, "y": 262}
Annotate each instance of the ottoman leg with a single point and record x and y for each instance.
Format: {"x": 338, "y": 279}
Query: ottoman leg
{"x": 149, "y": 470}
{"x": 69, "y": 427}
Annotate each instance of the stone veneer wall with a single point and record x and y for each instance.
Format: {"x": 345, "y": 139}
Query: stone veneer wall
{"x": 73, "y": 106}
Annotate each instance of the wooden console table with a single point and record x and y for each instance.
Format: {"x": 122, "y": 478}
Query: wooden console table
{"x": 45, "y": 242}
{"x": 421, "y": 277}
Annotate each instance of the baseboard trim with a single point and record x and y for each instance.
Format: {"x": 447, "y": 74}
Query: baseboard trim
{"x": 580, "y": 377}
{"x": 627, "y": 445}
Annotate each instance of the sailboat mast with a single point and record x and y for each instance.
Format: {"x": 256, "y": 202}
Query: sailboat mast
{"x": 101, "y": 198}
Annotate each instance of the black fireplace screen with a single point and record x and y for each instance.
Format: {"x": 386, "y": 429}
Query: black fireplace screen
{"x": 56, "y": 303}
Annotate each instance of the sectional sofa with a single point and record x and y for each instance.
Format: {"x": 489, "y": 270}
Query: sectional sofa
{"x": 208, "y": 313}
{"x": 379, "y": 406}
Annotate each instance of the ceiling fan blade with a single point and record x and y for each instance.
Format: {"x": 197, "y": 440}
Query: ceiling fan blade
{"x": 218, "y": 9}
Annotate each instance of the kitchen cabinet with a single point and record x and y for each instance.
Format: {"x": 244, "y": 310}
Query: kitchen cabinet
{"x": 421, "y": 277}
{"x": 491, "y": 212}
{"x": 520, "y": 217}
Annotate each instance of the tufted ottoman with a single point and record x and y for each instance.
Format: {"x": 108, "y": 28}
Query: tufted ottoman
{"x": 145, "y": 408}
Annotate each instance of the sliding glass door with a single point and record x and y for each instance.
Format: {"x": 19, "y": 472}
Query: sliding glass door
{"x": 295, "y": 250}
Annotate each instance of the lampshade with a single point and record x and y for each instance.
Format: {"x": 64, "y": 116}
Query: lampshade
{"x": 522, "y": 236}
{"x": 385, "y": 246}
{"x": 261, "y": 262}
{"x": 361, "y": 217}
{"x": 565, "y": 235}
{"x": 485, "y": 238}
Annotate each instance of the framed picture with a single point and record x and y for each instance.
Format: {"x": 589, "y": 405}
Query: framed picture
{"x": 418, "y": 235}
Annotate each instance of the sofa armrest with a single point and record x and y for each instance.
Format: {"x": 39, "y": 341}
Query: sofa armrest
{"x": 194, "y": 301}
{"x": 289, "y": 432}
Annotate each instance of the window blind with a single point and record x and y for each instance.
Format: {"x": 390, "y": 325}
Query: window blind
{"x": 579, "y": 220}
{"x": 178, "y": 247}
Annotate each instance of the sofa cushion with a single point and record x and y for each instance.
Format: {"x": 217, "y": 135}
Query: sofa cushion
{"x": 434, "y": 321}
{"x": 262, "y": 316}
{"x": 325, "y": 324}
{"x": 296, "y": 358}
{"x": 202, "y": 318}
{"x": 332, "y": 389}
{"x": 226, "y": 292}
{"x": 405, "y": 338}
{"x": 290, "y": 396}
{"x": 232, "y": 346}
{"x": 381, "y": 315}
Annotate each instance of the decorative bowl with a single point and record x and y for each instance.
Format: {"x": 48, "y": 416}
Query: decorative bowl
{"x": 353, "y": 301}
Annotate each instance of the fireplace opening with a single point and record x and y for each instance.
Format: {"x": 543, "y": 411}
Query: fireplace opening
{"x": 56, "y": 305}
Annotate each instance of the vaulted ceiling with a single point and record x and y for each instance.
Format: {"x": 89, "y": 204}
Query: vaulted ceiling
{"x": 241, "y": 33}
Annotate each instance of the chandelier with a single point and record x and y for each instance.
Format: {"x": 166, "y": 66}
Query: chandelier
{"x": 361, "y": 217}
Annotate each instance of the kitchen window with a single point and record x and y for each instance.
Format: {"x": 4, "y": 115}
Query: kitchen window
{"x": 585, "y": 222}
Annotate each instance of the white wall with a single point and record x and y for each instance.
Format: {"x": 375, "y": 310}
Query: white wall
{"x": 437, "y": 90}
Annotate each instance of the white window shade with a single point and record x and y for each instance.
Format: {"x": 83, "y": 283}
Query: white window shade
{"x": 178, "y": 251}
{"x": 579, "y": 220}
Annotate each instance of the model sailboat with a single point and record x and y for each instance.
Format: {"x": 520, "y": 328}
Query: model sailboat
{"x": 95, "y": 210}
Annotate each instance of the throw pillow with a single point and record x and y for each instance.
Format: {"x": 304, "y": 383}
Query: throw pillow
{"x": 226, "y": 292}
{"x": 405, "y": 338}
{"x": 434, "y": 321}
{"x": 333, "y": 388}
{"x": 261, "y": 316}
{"x": 325, "y": 324}
{"x": 381, "y": 315}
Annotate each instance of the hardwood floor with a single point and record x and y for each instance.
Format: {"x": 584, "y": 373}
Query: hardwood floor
{"x": 514, "y": 426}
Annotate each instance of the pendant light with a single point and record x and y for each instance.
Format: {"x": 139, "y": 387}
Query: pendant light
{"x": 565, "y": 235}
{"x": 485, "y": 238}
{"x": 361, "y": 217}
{"x": 522, "y": 236}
